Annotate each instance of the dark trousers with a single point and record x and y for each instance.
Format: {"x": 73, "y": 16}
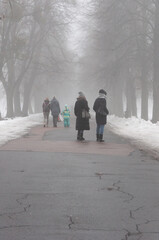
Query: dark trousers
{"x": 46, "y": 118}
{"x": 55, "y": 118}
{"x": 80, "y": 132}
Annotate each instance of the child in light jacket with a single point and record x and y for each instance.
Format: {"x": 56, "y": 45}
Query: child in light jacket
{"x": 66, "y": 116}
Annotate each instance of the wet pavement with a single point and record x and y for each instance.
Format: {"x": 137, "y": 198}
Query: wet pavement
{"x": 55, "y": 188}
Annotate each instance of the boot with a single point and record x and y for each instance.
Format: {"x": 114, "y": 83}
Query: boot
{"x": 81, "y": 137}
{"x": 78, "y": 136}
{"x": 97, "y": 135}
{"x": 101, "y": 138}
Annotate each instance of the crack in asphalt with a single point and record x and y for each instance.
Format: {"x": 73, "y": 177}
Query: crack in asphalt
{"x": 131, "y": 234}
{"x": 14, "y": 226}
{"x": 131, "y": 212}
{"x": 20, "y": 202}
{"x": 118, "y": 188}
{"x": 138, "y": 231}
{"x": 106, "y": 174}
{"x": 71, "y": 222}
{"x": 138, "y": 234}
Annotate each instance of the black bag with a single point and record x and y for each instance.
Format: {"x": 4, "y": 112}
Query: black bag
{"x": 85, "y": 114}
{"x": 102, "y": 111}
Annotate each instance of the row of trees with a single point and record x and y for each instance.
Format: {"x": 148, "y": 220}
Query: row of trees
{"x": 33, "y": 50}
{"x": 117, "y": 49}
{"x": 122, "y": 54}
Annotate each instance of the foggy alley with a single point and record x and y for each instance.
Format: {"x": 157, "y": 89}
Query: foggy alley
{"x": 54, "y": 187}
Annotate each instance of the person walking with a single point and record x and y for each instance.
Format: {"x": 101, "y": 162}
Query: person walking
{"x": 66, "y": 116}
{"x": 82, "y": 121}
{"x": 55, "y": 110}
{"x": 46, "y": 111}
{"x": 100, "y": 108}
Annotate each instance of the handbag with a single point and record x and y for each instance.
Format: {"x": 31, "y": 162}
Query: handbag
{"x": 85, "y": 114}
{"x": 101, "y": 111}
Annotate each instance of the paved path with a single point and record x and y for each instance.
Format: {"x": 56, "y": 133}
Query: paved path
{"x": 55, "y": 188}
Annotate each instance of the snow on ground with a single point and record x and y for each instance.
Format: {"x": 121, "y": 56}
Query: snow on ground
{"x": 17, "y": 127}
{"x": 142, "y": 133}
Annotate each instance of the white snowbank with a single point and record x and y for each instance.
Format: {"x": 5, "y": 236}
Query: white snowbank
{"x": 142, "y": 133}
{"x": 14, "y": 128}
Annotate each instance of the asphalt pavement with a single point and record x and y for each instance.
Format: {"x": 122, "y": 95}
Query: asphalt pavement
{"x": 53, "y": 187}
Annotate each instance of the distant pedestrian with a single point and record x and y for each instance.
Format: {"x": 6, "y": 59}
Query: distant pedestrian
{"x": 100, "y": 108}
{"x": 66, "y": 116}
{"x": 55, "y": 110}
{"x": 46, "y": 111}
{"x": 81, "y": 111}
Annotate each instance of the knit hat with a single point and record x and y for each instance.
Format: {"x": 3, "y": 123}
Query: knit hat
{"x": 102, "y": 91}
{"x": 81, "y": 94}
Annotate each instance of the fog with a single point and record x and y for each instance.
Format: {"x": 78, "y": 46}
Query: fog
{"x": 58, "y": 48}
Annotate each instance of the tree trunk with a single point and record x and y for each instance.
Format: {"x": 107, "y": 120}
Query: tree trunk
{"x": 143, "y": 50}
{"x": 17, "y": 105}
{"x": 30, "y": 108}
{"x": 134, "y": 105}
{"x": 118, "y": 100}
{"x": 144, "y": 99}
{"x": 9, "y": 96}
{"x": 155, "y": 116}
{"x": 9, "y": 88}
{"x": 37, "y": 103}
{"x": 26, "y": 102}
{"x": 131, "y": 108}
{"x": 128, "y": 112}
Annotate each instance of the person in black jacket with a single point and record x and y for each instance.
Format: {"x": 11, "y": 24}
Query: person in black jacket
{"x": 100, "y": 108}
{"x": 55, "y": 110}
{"x": 82, "y": 123}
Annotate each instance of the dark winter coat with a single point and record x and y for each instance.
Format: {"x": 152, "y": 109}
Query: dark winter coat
{"x": 55, "y": 107}
{"x": 46, "y": 106}
{"x": 101, "y": 103}
{"x": 81, "y": 123}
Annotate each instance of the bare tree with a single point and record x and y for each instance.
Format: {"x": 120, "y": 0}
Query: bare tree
{"x": 156, "y": 64}
{"x": 26, "y": 27}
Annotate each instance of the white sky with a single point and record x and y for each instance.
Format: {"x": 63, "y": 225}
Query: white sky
{"x": 140, "y": 132}
{"x": 78, "y": 29}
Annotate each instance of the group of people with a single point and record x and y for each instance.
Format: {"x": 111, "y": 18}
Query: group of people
{"x": 54, "y": 107}
{"x": 81, "y": 111}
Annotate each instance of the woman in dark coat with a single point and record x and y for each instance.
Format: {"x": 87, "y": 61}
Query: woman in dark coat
{"x": 100, "y": 108}
{"x": 81, "y": 123}
{"x": 46, "y": 111}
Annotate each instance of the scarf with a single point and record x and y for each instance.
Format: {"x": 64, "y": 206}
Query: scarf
{"x": 102, "y": 95}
